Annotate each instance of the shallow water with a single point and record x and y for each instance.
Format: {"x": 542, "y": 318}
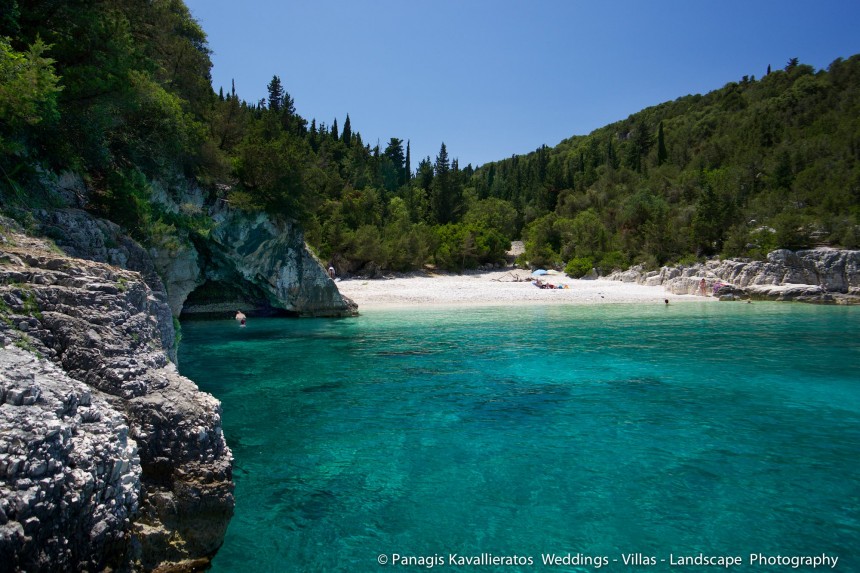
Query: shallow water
{"x": 725, "y": 429}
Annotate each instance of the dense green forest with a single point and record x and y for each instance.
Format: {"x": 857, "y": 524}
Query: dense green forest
{"x": 119, "y": 91}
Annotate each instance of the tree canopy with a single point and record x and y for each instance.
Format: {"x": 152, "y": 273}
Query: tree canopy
{"x": 119, "y": 91}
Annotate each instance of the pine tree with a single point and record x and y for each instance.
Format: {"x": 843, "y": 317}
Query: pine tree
{"x": 288, "y": 105}
{"x": 424, "y": 173}
{"x": 334, "y": 129}
{"x": 394, "y": 152}
{"x": 276, "y": 94}
{"x": 392, "y": 165}
{"x": 442, "y": 200}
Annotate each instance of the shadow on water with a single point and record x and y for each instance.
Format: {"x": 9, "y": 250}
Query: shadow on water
{"x": 325, "y": 387}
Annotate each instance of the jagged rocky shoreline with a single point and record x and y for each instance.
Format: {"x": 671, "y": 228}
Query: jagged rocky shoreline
{"x": 247, "y": 261}
{"x": 109, "y": 459}
{"x": 827, "y": 276}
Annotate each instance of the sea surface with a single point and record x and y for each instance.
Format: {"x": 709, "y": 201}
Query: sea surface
{"x": 586, "y": 435}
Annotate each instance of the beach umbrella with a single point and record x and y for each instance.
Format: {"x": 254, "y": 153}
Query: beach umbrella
{"x": 539, "y": 272}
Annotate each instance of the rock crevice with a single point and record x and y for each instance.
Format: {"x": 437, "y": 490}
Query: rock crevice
{"x": 109, "y": 458}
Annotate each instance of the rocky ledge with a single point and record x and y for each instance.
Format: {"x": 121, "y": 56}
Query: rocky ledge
{"x": 828, "y": 276}
{"x": 109, "y": 459}
{"x": 246, "y": 261}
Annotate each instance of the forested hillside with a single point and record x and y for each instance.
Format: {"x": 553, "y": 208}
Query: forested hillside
{"x": 119, "y": 92}
{"x": 749, "y": 167}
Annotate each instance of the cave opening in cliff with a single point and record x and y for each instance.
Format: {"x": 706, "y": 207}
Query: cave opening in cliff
{"x": 221, "y": 299}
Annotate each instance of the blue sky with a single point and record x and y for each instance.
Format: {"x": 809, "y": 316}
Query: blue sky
{"x": 493, "y": 78}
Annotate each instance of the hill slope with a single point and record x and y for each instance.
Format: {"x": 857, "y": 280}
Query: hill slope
{"x": 739, "y": 171}
{"x": 119, "y": 93}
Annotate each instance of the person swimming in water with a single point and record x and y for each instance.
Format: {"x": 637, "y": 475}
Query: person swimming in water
{"x": 240, "y": 317}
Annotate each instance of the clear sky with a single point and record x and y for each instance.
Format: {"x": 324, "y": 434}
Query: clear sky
{"x": 493, "y": 78}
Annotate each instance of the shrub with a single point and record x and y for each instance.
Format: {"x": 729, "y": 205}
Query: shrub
{"x": 611, "y": 262}
{"x": 462, "y": 246}
{"x": 578, "y": 267}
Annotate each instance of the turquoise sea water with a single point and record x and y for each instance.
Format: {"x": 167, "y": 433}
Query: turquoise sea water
{"x": 696, "y": 429}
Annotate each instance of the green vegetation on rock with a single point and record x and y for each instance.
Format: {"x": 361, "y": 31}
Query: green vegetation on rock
{"x": 118, "y": 92}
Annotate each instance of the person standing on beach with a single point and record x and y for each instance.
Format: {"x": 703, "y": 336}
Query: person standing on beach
{"x": 703, "y": 289}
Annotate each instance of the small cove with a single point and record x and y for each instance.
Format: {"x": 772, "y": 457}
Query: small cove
{"x": 719, "y": 428}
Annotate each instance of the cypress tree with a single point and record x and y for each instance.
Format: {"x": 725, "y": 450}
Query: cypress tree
{"x": 611, "y": 158}
{"x": 662, "y": 156}
{"x": 334, "y": 130}
{"x": 312, "y": 135}
{"x": 641, "y": 144}
{"x": 347, "y": 131}
{"x": 408, "y": 167}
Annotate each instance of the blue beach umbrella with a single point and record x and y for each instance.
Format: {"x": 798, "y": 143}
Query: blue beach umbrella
{"x": 539, "y": 272}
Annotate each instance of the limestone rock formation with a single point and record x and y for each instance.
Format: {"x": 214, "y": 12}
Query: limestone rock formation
{"x": 69, "y": 473}
{"x": 817, "y": 275}
{"x": 108, "y": 457}
{"x": 247, "y": 261}
{"x": 265, "y": 263}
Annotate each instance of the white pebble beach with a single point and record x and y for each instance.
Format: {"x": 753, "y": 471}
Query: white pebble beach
{"x": 494, "y": 288}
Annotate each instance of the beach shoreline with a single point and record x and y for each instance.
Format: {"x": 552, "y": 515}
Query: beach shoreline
{"x": 507, "y": 287}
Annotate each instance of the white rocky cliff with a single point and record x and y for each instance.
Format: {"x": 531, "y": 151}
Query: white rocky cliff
{"x": 247, "y": 261}
{"x": 109, "y": 459}
{"x": 829, "y": 276}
